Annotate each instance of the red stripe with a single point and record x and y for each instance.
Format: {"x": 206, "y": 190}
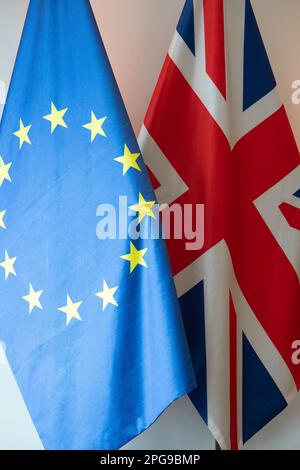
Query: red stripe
{"x": 292, "y": 215}
{"x": 233, "y": 376}
{"x": 215, "y": 43}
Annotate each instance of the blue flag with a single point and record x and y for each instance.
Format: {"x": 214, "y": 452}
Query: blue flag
{"x": 92, "y": 328}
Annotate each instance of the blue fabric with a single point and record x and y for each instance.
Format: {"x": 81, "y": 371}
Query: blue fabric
{"x": 95, "y": 383}
{"x": 192, "y": 308}
{"x": 185, "y": 25}
{"x": 262, "y": 400}
{"x": 297, "y": 193}
{"x": 258, "y": 76}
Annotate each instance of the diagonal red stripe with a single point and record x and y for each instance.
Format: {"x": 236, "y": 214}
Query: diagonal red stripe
{"x": 292, "y": 214}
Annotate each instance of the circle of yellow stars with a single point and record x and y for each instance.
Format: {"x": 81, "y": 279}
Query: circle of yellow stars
{"x": 135, "y": 257}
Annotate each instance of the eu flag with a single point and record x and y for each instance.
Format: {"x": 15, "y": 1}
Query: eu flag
{"x": 92, "y": 329}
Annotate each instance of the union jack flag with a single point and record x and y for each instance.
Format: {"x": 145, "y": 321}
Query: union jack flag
{"x": 216, "y": 133}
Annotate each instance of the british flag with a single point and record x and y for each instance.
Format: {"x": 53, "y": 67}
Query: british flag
{"x": 216, "y": 133}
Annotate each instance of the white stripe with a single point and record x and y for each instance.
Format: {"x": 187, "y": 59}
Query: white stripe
{"x": 172, "y": 185}
{"x": 268, "y": 206}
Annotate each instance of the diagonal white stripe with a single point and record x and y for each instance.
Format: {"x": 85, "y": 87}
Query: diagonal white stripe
{"x": 172, "y": 185}
{"x": 268, "y": 206}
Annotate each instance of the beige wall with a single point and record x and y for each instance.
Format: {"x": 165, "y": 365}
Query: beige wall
{"x": 137, "y": 35}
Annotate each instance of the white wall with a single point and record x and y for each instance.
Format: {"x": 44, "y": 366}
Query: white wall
{"x": 137, "y": 34}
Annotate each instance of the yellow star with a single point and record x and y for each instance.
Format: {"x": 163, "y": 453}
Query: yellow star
{"x": 107, "y": 295}
{"x": 143, "y": 208}
{"x": 56, "y": 117}
{"x": 2, "y": 224}
{"x": 22, "y": 134}
{"x": 71, "y": 310}
{"x": 8, "y": 265}
{"x": 135, "y": 257}
{"x": 95, "y": 126}
{"x": 4, "y": 171}
{"x": 33, "y": 298}
{"x": 129, "y": 160}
